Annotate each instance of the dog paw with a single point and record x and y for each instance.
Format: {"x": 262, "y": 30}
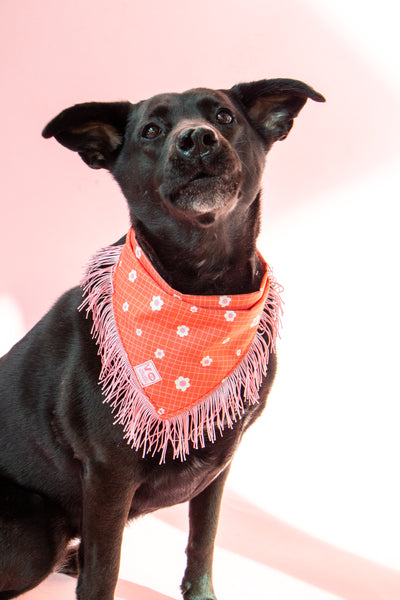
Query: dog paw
{"x": 199, "y": 590}
{"x": 199, "y": 597}
{"x": 196, "y": 597}
{"x": 70, "y": 564}
{"x": 190, "y": 596}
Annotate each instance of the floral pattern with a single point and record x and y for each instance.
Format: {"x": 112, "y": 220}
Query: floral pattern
{"x": 157, "y": 303}
{"x": 224, "y": 301}
{"x": 206, "y": 361}
{"x": 195, "y": 341}
{"x": 153, "y": 384}
{"x": 182, "y": 383}
{"x": 132, "y": 276}
{"x": 230, "y": 315}
{"x": 182, "y": 331}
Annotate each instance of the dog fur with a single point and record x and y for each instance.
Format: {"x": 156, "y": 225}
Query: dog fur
{"x": 190, "y": 168}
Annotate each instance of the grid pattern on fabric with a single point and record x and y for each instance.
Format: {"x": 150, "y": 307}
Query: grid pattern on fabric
{"x": 125, "y": 385}
{"x": 181, "y": 347}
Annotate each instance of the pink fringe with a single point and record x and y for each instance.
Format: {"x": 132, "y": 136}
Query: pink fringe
{"x": 143, "y": 428}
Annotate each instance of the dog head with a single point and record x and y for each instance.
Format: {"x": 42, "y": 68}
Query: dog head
{"x": 190, "y": 167}
{"x": 192, "y": 157}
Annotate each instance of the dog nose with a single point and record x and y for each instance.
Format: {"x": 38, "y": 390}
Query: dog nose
{"x": 197, "y": 140}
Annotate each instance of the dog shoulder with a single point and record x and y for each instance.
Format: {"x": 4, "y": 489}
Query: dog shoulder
{"x": 54, "y": 332}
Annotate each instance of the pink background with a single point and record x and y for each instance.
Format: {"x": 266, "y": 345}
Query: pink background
{"x": 55, "y": 54}
{"x": 322, "y": 517}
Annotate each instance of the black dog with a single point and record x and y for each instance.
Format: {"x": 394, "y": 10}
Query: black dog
{"x": 190, "y": 167}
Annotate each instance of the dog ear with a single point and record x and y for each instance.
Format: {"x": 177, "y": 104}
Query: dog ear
{"x": 94, "y": 129}
{"x": 272, "y": 104}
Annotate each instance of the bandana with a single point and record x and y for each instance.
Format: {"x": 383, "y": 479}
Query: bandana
{"x": 175, "y": 367}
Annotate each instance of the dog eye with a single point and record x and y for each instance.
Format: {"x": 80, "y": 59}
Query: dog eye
{"x": 151, "y": 131}
{"x": 225, "y": 117}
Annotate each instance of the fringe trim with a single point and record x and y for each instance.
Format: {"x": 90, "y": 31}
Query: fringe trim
{"x": 143, "y": 428}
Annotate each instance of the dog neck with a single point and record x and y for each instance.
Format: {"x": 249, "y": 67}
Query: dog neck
{"x": 218, "y": 259}
{"x": 175, "y": 368}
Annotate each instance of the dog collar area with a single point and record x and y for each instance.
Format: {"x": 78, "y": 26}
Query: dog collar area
{"x": 176, "y": 368}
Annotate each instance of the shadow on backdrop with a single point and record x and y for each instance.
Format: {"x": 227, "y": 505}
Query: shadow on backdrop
{"x": 251, "y": 532}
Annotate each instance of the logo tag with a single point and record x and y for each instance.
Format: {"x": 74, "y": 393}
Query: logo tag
{"x": 147, "y": 373}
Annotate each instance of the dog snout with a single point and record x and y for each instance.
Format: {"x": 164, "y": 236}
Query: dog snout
{"x": 197, "y": 141}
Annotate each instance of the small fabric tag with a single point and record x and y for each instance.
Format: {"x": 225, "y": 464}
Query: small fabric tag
{"x": 147, "y": 373}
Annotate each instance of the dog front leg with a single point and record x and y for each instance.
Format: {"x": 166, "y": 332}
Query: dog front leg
{"x": 203, "y": 519}
{"x": 106, "y": 501}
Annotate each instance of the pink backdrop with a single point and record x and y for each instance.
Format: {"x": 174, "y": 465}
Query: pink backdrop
{"x": 55, "y": 211}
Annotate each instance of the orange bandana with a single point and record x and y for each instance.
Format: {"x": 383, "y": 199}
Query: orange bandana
{"x": 174, "y": 366}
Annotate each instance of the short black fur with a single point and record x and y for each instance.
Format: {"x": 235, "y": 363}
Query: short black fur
{"x": 190, "y": 168}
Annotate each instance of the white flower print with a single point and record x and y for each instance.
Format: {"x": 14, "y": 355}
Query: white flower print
{"x": 182, "y": 383}
{"x": 224, "y": 301}
{"x": 159, "y": 353}
{"x": 125, "y": 306}
{"x": 230, "y": 315}
{"x": 226, "y": 340}
{"x": 138, "y": 252}
{"x": 206, "y": 361}
{"x": 156, "y": 303}
{"x": 193, "y": 309}
{"x": 255, "y": 322}
{"x": 238, "y": 352}
{"x": 132, "y": 275}
{"x": 139, "y": 332}
{"x": 161, "y": 411}
{"x": 182, "y": 331}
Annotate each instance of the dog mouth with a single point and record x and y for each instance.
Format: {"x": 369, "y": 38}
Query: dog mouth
{"x": 204, "y": 193}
